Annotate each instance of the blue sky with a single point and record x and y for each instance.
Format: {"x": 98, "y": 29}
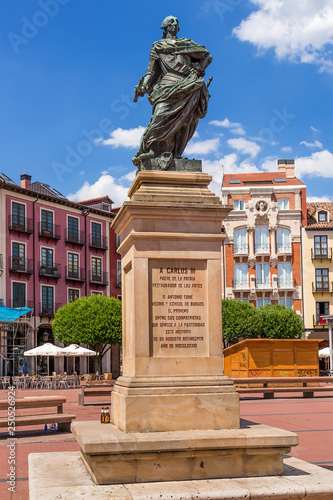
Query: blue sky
{"x": 68, "y": 69}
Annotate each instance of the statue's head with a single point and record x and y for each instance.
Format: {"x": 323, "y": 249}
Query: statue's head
{"x": 170, "y": 24}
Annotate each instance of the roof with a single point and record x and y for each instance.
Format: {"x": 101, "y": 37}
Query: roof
{"x": 101, "y": 198}
{"x": 55, "y": 199}
{"x": 259, "y": 178}
{"x": 312, "y": 208}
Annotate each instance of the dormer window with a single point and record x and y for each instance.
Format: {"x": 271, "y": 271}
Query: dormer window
{"x": 322, "y": 216}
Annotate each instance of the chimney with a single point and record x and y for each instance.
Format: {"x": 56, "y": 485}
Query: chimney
{"x": 25, "y": 181}
{"x": 287, "y": 167}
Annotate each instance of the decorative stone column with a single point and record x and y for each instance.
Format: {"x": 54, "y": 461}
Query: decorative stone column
{"x": 274, "y": 256}
{"x": 252, "y": 257}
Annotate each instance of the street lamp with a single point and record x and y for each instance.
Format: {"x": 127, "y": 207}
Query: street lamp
{"x": 329, "y": 319}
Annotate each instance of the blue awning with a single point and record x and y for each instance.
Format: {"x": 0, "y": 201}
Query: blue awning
{"x": 12, "y": 314}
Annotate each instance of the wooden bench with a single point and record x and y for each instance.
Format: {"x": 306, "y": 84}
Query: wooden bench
{"x": 270, "y": 385}
{"x": 62, "y": 419}
{"x": 94, "y": 388}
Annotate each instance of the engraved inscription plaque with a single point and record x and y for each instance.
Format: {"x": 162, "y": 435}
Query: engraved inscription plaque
{"x": 178, "y": 308}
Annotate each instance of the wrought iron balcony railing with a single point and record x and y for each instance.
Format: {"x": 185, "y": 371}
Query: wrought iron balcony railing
{"x": 20, "y": 224}
{"x": 20, "y": 265}
{"x": 50, "y": 231}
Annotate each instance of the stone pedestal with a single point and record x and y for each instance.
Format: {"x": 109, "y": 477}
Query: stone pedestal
{"x": 170, "y": 234}
{"x": 175, "y": 415}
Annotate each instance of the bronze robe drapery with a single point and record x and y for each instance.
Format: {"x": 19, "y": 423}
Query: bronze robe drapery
{"x": 178, "y": 94}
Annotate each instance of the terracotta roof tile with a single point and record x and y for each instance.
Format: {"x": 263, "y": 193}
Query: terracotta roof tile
{"x": 261, "y": 177}
{"x": 100, "y": 198}
{"x": 312, "y": 209}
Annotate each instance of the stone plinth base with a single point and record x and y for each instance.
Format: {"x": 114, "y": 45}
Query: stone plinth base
{"x": 54, "y": 476}
{"x": 174, "y": 404}
{"x": 113, "y": 456}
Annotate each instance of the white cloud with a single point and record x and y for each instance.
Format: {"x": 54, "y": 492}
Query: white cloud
{"x": 122, "y": 138}
{"x": 105, "y": 185}
{"x": 202, "y": 147}
{"x": 318, "y": 164}
{"x": 323, "y": 198}
{"x": 235, "y": 127}
{"x": 244, "y": 146}
{"x": 300, "y": 31}
{"x": 231, "y": 166}
{"x": 286, "y": 149}
{"x": 314, "y": 130}
{"x": 315, "y": 144}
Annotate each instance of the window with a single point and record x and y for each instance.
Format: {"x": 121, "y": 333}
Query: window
{"x": 96, "y": 234}
{"x": 322, "y": 216}
{"x": 96, "y": 293}
{"x": 118, "y": 272}
{"x": 47, "y": 300}
{"x": 18, "y": 261}
{"x": 322, "y": 283}
{"x": 73, "y": 294}
{"x": 263, "y": 302}
{"x": 47, "y": 260}
{"x": 47, "y": 221}
{"x": 263, "y": 278}
{"x": 18, "y": 215}
{"x": 241, "y": 276}
{"x": 283, "y": 240}
{"x": 18, "y": 294}
{"x": 117, "y": 240}
{"x": 96, "y": 269}
{"x": 105, "y": 207}
{"x": 239, "y": 204}
{"x": 285, "y": 275}
{"x": 320, "y": 246}
{"x": 286, "y": 301}
{"x": 73, "y": 265}
{"x": 240, "y": 241}
{"x": 283, "y": 203}
{"x": 322, "y": 309}
{"x": 73, "y": 229}
{"x": 262, "y": 239}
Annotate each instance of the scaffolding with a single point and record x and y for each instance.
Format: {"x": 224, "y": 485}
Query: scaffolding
{"x": 14, "y": 330}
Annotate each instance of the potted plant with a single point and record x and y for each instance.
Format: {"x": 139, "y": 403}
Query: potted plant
{"x": 42, "y": 269}
{"x": 55, "y": 271}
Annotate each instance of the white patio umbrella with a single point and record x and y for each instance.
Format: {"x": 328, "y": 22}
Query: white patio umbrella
{"x": 324, "y": 353}
{"x": 47, "y": 350}
{"x": 77, "y": 350}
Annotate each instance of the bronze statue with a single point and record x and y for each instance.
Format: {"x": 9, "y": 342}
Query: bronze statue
{"x": 177, "y": 91}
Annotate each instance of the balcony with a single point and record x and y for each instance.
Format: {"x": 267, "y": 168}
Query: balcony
{"x": 240, "y": 284}
{"x": 20, "y": 265}
{"x": 49, "y": 231}
{"x": 321, "y": 253}
{"x": 322, "y": 287}
{"x": 263, "y": 286}
{"x": 48, "y": 310}
{"x": 16, "y": 303}
{"x": 287, "y": 284}
{"x": 99, "y": 278}
{"x": 241, "y": 249}
{"x": 20, "y": 224}
{"x": 76, "y": 275}
{"x": 75, "y": 237}
{"x": 318, "y": 322}
{"x": 50, "y": 271}
{"x": 284, "y": 249}
{"x": 100, "y": 242}
{"x": 262, "y": 249}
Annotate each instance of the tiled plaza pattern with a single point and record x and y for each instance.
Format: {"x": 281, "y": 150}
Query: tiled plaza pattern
{"x": 311, "y": 419}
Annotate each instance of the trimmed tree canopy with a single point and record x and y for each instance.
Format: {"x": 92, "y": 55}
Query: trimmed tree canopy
{"x": 239, "y": 319}
{"x": 243, "y": 321}
{"x": 94, "y": 320}
{"x": 280, "y": 322}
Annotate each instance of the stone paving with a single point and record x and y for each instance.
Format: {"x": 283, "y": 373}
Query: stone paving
{"x": 311, "y": 419}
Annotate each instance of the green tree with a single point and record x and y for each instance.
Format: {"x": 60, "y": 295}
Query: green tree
{"x": 280, "y": 322}
{"x": 240, "y": 320}
{"x": 94, "y": 320}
